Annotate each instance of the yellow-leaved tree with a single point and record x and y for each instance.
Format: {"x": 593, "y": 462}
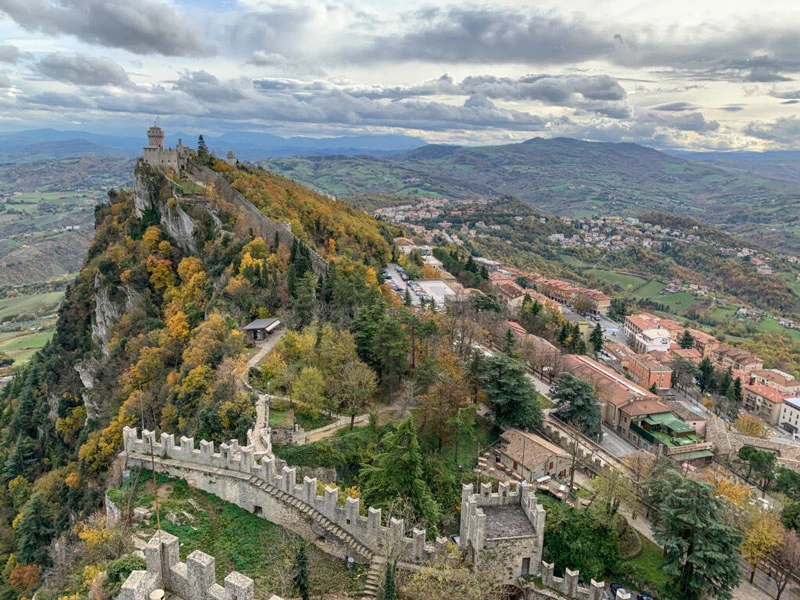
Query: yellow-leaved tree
{"x": 762, "y": 538}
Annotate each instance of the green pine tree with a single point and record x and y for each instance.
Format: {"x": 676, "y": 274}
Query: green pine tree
{"x": 705, "y": 375}
{"x": 691, "y": 524}
{"x": 395, "y": 474}
{"x": 301, "y": 578}
{"x": 510, "y": 392}
{"x": 509, "y": 343}
{"x": 203, "y": 156}
{"x": 576, "y": 403}
{"x": 687, "y": 340}
{"x": 596, "y": 339}
{"x": 407, "y": 299}
{"x": 34, "y": 531}
{"x": 389, "y": 586}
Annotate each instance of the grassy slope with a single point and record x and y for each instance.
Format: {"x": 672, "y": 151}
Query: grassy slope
{"x": 239, "y": 540}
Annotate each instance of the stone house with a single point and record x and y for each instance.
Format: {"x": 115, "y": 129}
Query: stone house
{"x": 764, "y": 401}
{"x": 531, "y": 456}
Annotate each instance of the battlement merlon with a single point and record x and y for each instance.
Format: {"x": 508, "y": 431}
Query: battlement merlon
{"x": 193, "y": 579}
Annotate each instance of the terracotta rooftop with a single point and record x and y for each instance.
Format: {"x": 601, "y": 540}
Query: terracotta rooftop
{"x": 510, "y": 289}
{"x": 642, "y": 408}
{"x": 769, "y": 393}
{"x": 528, "y": 449}
{"x": 611, "y": 386}
{"x": 702, "y": 336}
{"x": 740, "y": 356}
{"x": 642, "y": 321}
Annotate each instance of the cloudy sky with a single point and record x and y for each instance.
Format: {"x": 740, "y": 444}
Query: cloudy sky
{"x": 694, "y": 74}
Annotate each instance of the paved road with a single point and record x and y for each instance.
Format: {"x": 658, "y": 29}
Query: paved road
{"x": 266, "y": 347}
{"x": 615, "y": 444}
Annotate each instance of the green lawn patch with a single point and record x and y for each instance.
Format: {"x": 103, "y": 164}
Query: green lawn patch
{"x": 651, "y": 290}
{"x": 280, "y": 418}
{"x": 309, "y": 422}
{"x": 544, "y": 401}
{"x": 770, "y": 325}
{"x": 35, "y": 304}
{"x": 22, "y": 347}
{"x": 612, "y": 277}
{"x": 469, "y": 446}
{"x": 240, "y": 540}
{"x": 647, "y": 566}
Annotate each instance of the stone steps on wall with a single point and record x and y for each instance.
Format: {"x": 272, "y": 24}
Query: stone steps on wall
{"x": 375, "y": 578}
{"x": 310, "y": 511}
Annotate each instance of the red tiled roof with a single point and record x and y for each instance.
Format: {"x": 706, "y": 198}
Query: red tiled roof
{"x": 528, "y": 449}
{"x": 767, "y": 392}
{"x": 643, "y": 408}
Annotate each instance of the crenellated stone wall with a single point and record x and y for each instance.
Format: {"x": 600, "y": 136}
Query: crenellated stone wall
{"x": 570, "y": 584}
{"x": 503, "y": 528}
{"x": 195, "y": 579}
{"x": 268, "y": 487}
{"x": 257, "y": 221}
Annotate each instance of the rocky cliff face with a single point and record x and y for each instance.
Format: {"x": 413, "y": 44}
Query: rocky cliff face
{"x": 151, "y": 189}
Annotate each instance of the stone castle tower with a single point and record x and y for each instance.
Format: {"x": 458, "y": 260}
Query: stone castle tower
{"x": 175, "y": 159}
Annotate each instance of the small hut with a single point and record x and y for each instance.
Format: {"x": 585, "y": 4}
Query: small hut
{"x": 260, "y": 329}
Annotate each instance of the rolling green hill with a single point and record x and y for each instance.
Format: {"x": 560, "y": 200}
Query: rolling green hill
{"x": 570, "y": 177}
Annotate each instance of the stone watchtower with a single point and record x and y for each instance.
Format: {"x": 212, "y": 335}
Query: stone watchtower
{"x": 155, "y": 137}
{"x": 503, "y": 528}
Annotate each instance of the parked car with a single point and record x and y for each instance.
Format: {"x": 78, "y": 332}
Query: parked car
{"x": 643, "y": 597}
{"x": 617, "y": 589}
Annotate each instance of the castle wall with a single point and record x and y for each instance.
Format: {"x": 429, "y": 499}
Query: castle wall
{"x": 261, "y": 224}
{"x": 234, "y": 475}
{"x": 195, "y": 579}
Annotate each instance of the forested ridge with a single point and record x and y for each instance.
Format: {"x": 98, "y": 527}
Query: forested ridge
{"x": 149, "y": 336}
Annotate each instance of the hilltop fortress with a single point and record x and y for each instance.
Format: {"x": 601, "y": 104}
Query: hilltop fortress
{"x": 174, "y": 159}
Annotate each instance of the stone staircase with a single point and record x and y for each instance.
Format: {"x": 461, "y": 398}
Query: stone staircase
{"x": 375, "y": 578}
{"x": 312, "y": 513}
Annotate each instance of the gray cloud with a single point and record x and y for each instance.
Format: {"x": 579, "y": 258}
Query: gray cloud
{"x": 790, "y": 102}
{"x": 82, "y": 69}
{"x": 675, "y": 107}
{"x": 786, "y": 95}
{"x": 682, "y": 121}
{"x": 732, "y": 108}
{"x": 752, "y": 52}
{"x": 60, "y": 100}
{"x": 601, "y": 94}
{"x": 784, "y": 130}
{"x": 139, "y": 26}
{"x": 5, "y": 82}
{"x": 9, "y": 53}
{"x": 206, "y": 87}
{"x": 481, "y": 36}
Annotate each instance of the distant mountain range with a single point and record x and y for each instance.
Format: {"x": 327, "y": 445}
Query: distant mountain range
{"x": 25, "y": 146}
{"x": 570, "y": 177}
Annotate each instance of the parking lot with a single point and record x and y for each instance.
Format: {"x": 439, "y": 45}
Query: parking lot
{"x": 396, "y": 280}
